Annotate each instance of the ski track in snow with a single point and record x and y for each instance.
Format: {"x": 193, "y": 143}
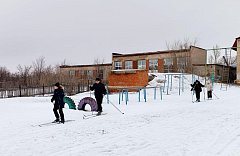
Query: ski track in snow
{"x": 172, "y": 127}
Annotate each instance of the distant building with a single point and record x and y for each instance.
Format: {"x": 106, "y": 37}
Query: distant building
{"x": 87, "y": 73}
{"x": 218, "y": 72}
{"x": 236, "y": 47}
{"x": 160, "y": 61}
{"x": 131, "y": 70}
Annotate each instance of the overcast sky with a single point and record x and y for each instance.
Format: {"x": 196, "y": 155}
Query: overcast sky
{"x": 83, "y": 30}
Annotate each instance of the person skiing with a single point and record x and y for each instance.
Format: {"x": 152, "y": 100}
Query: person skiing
{"x": 197, "y": 87}
{"x": 209, "y": 89}
{"x": 59, "y": 102}
{"x": 99, "y": 92}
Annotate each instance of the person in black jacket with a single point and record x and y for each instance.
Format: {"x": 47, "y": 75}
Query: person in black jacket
{"x": 59, "y": 102}
{"x": 99, "y": 92}
{"x": 197, "y": 87}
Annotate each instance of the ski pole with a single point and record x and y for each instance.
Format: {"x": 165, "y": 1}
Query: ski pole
{"x": 215, "y": 95}
{"x": 204, "y": 93}
{"x": 115, "y": 107}
{"x": 192, "y": 95}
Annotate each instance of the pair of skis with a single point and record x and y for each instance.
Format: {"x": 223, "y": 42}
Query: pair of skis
{"x": 51, "y": 123}
{"x": 57, "y": 123}
{"x": 92, "y": 115}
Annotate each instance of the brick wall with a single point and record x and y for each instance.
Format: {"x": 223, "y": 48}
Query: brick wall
{"x": 126, "y": 79}
{"x": 238, "y": 62}
{"x": 161, "y": 65}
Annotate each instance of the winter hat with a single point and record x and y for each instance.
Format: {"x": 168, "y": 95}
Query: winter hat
{"x": 57, "y": 84}
{"x": 98, "y": 79}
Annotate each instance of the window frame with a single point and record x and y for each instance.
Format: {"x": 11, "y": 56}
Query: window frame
{"x": 129, "y": 64}
{"x": 153, "y": 65}
{"x": 118, "y": 65}
{"x": 142, "y": 64}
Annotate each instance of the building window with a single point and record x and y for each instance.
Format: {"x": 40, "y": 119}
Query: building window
{"x": 168, "y": 65}
{"x": 100, "y": 73}
{"x": 153, "y": 65}
{"x": 77, "y": 73}
{"x": 72, "y": 73}
{"x": 128, "y": 64}
{"x": 89, "y": 74}
{"x": 141, "y": 64}
{"x": 181, "y": 64}
{"x": 117, "y": 65}
{"x": 81, "y": 72}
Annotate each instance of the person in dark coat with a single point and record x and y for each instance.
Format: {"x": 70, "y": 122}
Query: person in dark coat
{"x": 59, "y": 102}
{"x": 99, "y": 92}
{"x": 197, "y": 87}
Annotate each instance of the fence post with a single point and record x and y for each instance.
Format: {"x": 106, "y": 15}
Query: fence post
{"x": 168, "y": 85}
{"x": 164, "y": 82}
{"x": 88, "y": 86}
{"x": 179, "y": 85}
{"x": 145, "y": 94}
{"x": 182, "y": 82}
{"x": 139, "y": 95}
{"x": 126, "y": 96}
{"x": 119, "y": 99}
{"x": 20, "y": 91}
{"x": 155, "y": 95}
{"x": 122, "y": 94}
{"x": 78, "y": 88}
{"x": 161, "y": 92}
{"x": 43, "y": 90}
{"x": 107, "y": 95}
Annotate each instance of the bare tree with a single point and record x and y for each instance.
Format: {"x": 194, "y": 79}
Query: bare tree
{"x": 5, "y": 78}
{"x": 64, "y": 62}
{"x": 24, "y": 73}
{"x": 4, "y": 74}
{"x": 99, "y": 69}
{"x": 99, "y": 61}
{"x": 181, "y": 53}
{"x": 38, "y": 69}
{"x": 186, "y": 43}
{"x": 214, "y": 57}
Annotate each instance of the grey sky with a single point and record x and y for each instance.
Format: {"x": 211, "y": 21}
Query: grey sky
{"x": 82, "y": 30}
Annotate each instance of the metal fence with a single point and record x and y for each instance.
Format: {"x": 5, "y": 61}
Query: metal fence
{"x": 41, "y": 91}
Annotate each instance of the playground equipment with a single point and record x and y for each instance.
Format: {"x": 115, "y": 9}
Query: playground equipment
{"x": 123, "y": 93}
{"x": 88, "y": 100}
{"x": 70, "y": 102}
{"x": 225, "y": 57}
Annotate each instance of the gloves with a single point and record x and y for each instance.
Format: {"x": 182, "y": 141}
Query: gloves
{"x": 52, "y": 100}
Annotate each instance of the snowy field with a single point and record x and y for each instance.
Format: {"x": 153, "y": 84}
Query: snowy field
{"x": 173, "y": 126}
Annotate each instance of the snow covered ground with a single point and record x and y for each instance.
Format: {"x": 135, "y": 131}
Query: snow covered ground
{"x": 173, "y": 126}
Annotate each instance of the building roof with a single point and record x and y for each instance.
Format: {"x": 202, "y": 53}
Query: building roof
{"x": 90, "y": 65}
{"x": 232, "y": 66}
{"x": 153, "y": 53}
{"x": 234, "y": 46}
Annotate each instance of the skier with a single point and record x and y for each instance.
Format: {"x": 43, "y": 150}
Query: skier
{"x": 209, "y": 89}
{"x": 197, "y": 87}
{"x": 59, "y": 102}
{"x": 99, "y": 92}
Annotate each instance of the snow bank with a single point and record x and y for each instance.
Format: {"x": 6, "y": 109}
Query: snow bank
{"x": 173, "y": 126}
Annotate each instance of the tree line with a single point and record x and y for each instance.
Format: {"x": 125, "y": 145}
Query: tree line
{"x": 35, "y": 75}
